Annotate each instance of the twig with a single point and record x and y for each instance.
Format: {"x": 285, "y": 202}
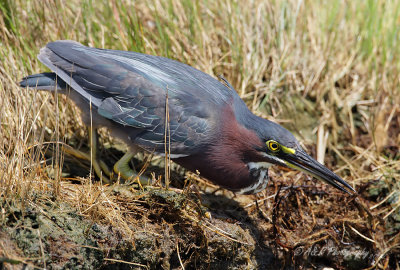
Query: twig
{"x": 167, "y": 151}
{"x": 179, "y": 256}
{"x": 41, "y": 249}
{"x": 126, "y": 262}
{"x": 217, "y": 230}
{"x": 363, "y": 236}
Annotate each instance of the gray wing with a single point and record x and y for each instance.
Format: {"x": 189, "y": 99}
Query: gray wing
{"x": 132, "y": 88}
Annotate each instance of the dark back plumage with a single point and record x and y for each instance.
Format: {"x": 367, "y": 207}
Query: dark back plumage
{"x": 131, "y": 89}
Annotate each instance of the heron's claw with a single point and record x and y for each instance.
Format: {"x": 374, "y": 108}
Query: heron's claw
{"x": 123, "y": 170}
{"x": 99, "y": 167}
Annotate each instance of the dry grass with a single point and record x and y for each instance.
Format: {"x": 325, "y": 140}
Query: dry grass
{"x": 327, "y": 70}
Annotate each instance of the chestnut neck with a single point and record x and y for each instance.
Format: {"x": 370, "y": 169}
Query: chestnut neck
{"x": 225, "y": 159}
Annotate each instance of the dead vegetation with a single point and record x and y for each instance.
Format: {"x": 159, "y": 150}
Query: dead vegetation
{"x": 328, "y": 71}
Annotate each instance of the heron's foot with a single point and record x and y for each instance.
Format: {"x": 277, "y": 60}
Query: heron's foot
{"x": 124, "y": 171}
{"x": 99, "y": 166}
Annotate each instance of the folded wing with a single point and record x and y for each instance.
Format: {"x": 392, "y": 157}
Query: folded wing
{"x": 134, "y": 89}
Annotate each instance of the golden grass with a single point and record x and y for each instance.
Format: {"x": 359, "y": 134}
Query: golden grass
{"x": 327, "y": 70}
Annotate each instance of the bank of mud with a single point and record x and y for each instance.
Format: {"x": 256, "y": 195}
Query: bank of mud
{"x": 166, "y": 229}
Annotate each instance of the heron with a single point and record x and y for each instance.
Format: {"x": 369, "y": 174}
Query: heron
{"x": 209, "y": 129}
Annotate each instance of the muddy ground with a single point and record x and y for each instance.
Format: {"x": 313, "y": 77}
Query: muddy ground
{"x": 283, "y": 228}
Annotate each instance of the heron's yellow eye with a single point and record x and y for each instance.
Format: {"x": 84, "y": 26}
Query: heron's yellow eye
{"x": 273, "y": 146}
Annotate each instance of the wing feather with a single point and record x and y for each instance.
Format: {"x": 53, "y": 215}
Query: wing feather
{"x": 131, "y": 89}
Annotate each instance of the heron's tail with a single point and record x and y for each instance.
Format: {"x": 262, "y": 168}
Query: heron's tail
{"x": 48, "y": 81}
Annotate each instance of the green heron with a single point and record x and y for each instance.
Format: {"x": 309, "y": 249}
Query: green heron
{"x": 209, "y": 127}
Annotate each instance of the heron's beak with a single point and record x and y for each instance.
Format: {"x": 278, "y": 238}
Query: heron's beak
{"x": 303, "y": 162}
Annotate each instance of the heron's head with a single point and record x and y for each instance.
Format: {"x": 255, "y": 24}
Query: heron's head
{"x": 280, "y": 147}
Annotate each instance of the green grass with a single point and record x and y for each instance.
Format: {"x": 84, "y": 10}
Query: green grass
{"x": 328, "y": 66}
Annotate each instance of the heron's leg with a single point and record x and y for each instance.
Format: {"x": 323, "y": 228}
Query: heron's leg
{"x": 123, "y": 169}
{"x": 99, "y": 167}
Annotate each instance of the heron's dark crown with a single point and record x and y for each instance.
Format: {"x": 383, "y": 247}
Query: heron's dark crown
{"x": 266, "y": 130}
